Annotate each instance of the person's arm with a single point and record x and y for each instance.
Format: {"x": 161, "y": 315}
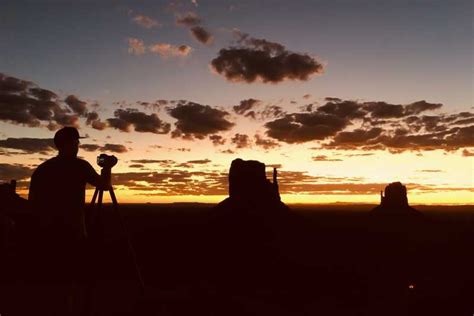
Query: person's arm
{"x": 102, "y": 181}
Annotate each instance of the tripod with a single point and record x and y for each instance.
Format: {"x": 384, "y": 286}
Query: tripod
{"x": 100, "y": 193}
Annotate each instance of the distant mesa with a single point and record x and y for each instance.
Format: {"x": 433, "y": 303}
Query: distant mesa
{"x": 250, "y": 190}
{"x": 394, "y": 201}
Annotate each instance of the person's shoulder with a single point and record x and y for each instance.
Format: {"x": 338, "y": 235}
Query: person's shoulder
{"x": 83, "y": 163}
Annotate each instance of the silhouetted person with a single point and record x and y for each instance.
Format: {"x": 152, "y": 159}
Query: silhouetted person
{"x": 57, "y": 197}
{"x": 57, "y": 188}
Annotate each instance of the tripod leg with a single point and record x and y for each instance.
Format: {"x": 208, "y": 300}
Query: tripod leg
{"x": 94, "y": 197}
{"x": 129, "y": 242}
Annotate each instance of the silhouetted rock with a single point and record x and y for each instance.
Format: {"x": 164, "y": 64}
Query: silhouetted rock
{"x": 250, "y": 190}
{"x": 394, "y": 201}
{"x": 13, "y": 209}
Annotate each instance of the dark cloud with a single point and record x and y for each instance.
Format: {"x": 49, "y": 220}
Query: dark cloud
{"x": 14, "y": 172}
{"x": 245, "y": 106}
{"x": 304, "y": 127}
{"x": 384, "y": 110}
{"x": 265, "y": 61}
{"x": 431, "y": 170}
{"x": 125, "y": 119}
{"x": 355, "y": 137}
{"x": 325, "y": 158}
{"x": 202, "y": 35}
{"x": 94, "y": 121}
{"x": 89, "y": 147}
{"x": 137, "y": 165}
{"x": 199, "y": 161}
{"x": 29, "y": 145}
{"x": 421, "y": 106}
{"x": 77, "y": 106}
{"x": 174, "y": 182}
{"x": 241, "y": 140}
{"x": 228, "y": 151}
{"x": 217, "y": 140}
{"x": 162, "y": 162}
{"x": 188, "y": 19}
{"x": 346, "y": 109}
{"x": 467, "y": 153}
{"x": 116, "y": 148}
{"x": 22, "y": 102}
{"x": 198, "y": 121}
{"x": 265, "y": 143}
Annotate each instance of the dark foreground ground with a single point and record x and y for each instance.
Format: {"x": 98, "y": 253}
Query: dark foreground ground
{"x": 332, "y": 260}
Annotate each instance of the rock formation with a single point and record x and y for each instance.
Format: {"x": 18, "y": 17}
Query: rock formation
{"x": 249, "y": 188}
{"x": 394, "y": 200}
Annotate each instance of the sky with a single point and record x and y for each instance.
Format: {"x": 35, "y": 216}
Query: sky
{"x": 343, "y": 97}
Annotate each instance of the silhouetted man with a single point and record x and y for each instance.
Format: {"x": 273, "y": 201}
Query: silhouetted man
{"x": 57, "y": 188}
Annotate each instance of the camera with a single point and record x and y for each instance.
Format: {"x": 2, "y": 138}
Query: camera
{"x": 106, "y": 161}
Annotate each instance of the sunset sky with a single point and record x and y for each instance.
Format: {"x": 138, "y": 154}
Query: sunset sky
{"x": 343, "y": 97}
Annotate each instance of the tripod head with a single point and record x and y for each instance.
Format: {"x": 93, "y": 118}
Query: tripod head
{"x": 106, "y": 161}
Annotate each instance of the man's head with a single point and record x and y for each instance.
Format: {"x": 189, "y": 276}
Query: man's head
{"x": 67, "y": 141}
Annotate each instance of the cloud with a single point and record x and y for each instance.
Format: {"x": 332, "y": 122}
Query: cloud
{"x": 136, "y": 46}
{"x": 145, "y": 21}
{"x": 89, "y": 147}
{"x": 241, "y": 140}
{"x": 467, "y": 153}
{"x": 162, "y": 162}
{"x": 431, "y": 170}
{"x": 188, "y": 19}
{"x": 79, "y": 107}
{"x": 168, "y": 50}
{"x": 198, "y": 121}
{"x": 303, "y": 127}
{"x": 202, "y": 35}
{"x": 191, "y": 163}
{"x": 245, "y": 106}
{"x": 14, "y": 172}
{"x": 355, "y": 137}
{"x": 94, "y": 121}
{"x": 29, "y": 145}
{"x": 24, "y": 103}
{"x": 125, "y": 119}
{"x": 265, "y": 143}
{"x": 325, "y": 158}
{"x": 136, "y": 166}
{"x": 116, "y": 148}
{"x": 217, "y": 140}
{"x": 261, "y": 60}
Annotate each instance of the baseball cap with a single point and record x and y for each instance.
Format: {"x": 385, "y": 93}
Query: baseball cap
{"x": 66, "y": 135}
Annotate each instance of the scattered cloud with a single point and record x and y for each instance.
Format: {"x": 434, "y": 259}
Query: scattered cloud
{"x": 261, "y": 60}
{"x": 217, "y": 140}
{"x": 198, "y": 121}
{"x": 168, "y": 50}
{"x": 136, "y": 46}
{"x": 145, "y": 21}
{"x": 24, "y": 103}
{"x": 14, "y": 172}
{"x": 325, "y": 158}
{"x": 467, "y": 153}
{"x": 265, "y": 143}
{"x": 115, "y": 148}
{"x": 77, "y": 106}
{"x": 125, "y": 119}
{"x": 29, "y": 145}
{"x": 303, "y": 127}
{"x": 187, "y": 19}
{"x": 241, "y": 140}
{"x": 202, "y": 35}
{"x": 245, "y": 106}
